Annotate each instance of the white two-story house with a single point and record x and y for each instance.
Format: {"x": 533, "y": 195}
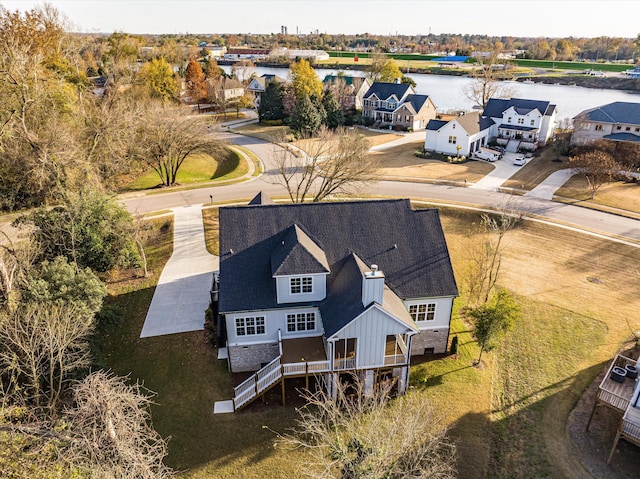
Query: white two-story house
{"x": 520, "y": 124}
{"x": 329, "y": 288}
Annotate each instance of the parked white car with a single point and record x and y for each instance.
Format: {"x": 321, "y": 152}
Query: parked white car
{"x": 520, "y": 160}
{"x": 487, "y": 154}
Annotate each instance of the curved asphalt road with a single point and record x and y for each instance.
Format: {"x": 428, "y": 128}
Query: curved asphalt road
{"x": 574, "y": 216}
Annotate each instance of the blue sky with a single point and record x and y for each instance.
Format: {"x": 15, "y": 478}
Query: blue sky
{"x": 542, "y": 18}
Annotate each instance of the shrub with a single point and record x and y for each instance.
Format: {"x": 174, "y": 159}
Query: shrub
{"x": 454, "y": 345}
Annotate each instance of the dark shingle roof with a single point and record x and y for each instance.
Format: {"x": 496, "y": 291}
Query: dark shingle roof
{"x": 261, "y": 199}
{"x": 508, "y": 126}
{"x": 344, "y": 299}
{"x": 408, "y": 245}
{"x": 298, "y": 254}
{"x": 385, "y": 90}
{"x": 417, "y": 101}
{"x": 616, "y": 112}
{"x": 624, "y": 136}
{"x": 436, "y": 124}
{"x": 497, "y": 106}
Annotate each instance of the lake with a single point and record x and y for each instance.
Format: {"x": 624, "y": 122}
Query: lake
{"x": 447, "y": 92}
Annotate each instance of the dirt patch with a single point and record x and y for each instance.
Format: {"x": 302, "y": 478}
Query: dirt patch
{"x": 592, "y": 447}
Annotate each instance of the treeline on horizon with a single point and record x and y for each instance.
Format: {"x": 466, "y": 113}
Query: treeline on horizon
{"x": 541, "y": 48}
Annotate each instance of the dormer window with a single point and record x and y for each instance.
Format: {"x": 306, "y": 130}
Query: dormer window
{"x": 301, "y": 285}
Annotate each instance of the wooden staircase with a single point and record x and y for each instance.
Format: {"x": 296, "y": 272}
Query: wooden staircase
{"x": 259, "y": 383}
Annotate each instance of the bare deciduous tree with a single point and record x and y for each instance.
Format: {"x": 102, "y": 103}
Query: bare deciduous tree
{"x": 105, "y": 432}
{"x": 367, "y": 436}
{"x": 485, "y": 258}
{"x": 599, "y": 167}
{"x": 111, "y": 430}
{"x": 486, "y": 82}
{"x": 333, "y": 162}
{"x": 167, "y": 138}
{"x": 43, "y": 345}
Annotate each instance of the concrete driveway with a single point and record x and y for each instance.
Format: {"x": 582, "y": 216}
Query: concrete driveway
{"x": 503, "y": 170}
{"x": 182, "y": 294}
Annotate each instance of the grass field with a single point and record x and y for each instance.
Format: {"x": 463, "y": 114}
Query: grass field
{"x": 400, "y": 161}
{"x": 580, "y": 299}
{"x": 198, "y": 168}
{"x": 618, "y": 194}
{"x": 267, "y": 133}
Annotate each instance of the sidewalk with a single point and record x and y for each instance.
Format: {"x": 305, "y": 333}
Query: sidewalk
{"x": 551, "y": 184}
{"x": 182, "y": 294}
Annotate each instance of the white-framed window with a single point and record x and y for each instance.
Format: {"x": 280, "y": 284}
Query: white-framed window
{"x": 301, "y": 322}
{"x": 520, "y": 121}
{"x": 598, "y": 127}
{"x": 392, "y": 105}
{"x": 250, "y": 325}
{"x": 533, "y": 122}
{"x": 301, "y": 285}
{"x": 423, "y": 312}
{"x": 618, "y": 127}
{"x": 509, "y": 120}
{"x": 453, "y": 140}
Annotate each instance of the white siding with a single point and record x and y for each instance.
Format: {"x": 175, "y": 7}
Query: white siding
{"x": 274, "y": 320}
{"x": 283, "y": 290}
{"x": 372, "y": 288}
{"x": 438, "y": 141}
{"x": 442, "y": 316}
{"x": 371, "y": 330}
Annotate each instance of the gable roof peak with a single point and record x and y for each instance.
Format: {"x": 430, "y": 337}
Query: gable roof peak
{"x": 298, "y": 254}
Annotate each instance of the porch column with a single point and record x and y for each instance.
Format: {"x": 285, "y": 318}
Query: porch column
{"x": 332, "y": 385}
{"x": 369, "y": 377}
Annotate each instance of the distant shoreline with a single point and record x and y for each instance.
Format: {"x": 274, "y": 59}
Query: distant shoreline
{"x": 585, "y": 81}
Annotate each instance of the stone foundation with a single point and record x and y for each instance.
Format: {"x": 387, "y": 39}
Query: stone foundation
{"x": 251, "y": 357}
{"x": 424, "y": 340}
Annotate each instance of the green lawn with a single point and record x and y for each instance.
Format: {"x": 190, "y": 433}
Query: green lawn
{"x": 506, "y": 417}
{"x": 199, "y": 168}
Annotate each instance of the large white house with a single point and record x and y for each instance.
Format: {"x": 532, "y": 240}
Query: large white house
{"x": 518, "y": 124}
{"x": 327, "y": 288}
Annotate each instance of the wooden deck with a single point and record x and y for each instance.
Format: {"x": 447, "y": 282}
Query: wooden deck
{"x": 623, "y": 397}
{"x": 303, "y": 350}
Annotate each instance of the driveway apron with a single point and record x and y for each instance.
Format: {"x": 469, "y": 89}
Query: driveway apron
{"x": 182, "y": 294}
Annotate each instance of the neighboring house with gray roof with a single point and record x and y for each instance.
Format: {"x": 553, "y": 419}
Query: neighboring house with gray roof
{"x": 618, "y": 121}
{"x": 328, "y": 288}
{"x": 520, "y": 124}
{"x": 469, "y": 132}
{"x": 258, "y": 85}
{"x": 397, "y": 105}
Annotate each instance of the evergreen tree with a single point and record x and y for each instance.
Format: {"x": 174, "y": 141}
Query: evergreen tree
{"x": 335, "y": 117}
{"x": 271, "y": 102}
{"x": 305, "y": 118}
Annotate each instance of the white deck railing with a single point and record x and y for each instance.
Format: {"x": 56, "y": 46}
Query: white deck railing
{"x": 256, "y": 384}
